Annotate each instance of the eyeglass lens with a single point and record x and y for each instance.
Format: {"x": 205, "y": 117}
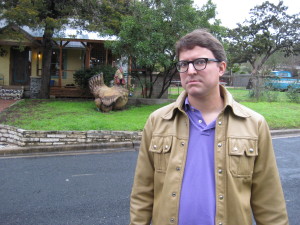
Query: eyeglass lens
{"x": 199, "y": 64}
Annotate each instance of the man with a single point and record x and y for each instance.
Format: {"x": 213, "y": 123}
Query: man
{"x": 206, "y": 159}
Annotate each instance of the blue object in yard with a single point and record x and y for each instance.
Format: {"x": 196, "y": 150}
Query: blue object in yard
{"x": 52, "y": 83}
{"x": 282, "y": 80}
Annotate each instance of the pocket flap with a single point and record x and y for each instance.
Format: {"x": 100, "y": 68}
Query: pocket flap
{"x": 161, "y": 144}
{"x": 242, "y": 146}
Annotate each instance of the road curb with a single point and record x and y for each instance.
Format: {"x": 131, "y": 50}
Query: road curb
{"x": 94, "y": 147}
{"x": 103, "y": 147}
{"x": 275, "y": 133}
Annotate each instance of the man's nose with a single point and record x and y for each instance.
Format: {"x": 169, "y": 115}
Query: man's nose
{"x": 191, "y": 68}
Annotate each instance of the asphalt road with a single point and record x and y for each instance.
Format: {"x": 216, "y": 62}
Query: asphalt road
{"x": 287, "y": 152}
{"x": 95, "y": 188}
{"x": 61, "y": 190}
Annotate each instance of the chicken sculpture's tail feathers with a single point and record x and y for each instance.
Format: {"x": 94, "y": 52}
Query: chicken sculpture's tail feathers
{"x": 95, "y": 82}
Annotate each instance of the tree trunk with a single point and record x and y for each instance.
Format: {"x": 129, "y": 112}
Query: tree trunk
{"x": 46, "y": 63}
{"x": 150, "y": 84}
{"x": 256, "y": 84}
{"x": 167, "y": 82}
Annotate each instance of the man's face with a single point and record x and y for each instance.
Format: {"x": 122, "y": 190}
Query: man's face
{"x": 205, "y": 82}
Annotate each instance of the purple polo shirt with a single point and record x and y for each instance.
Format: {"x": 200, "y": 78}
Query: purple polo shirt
{"x": 197, "y": 200}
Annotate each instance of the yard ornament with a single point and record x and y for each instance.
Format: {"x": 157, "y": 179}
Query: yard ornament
{"x": 107, "y": 98}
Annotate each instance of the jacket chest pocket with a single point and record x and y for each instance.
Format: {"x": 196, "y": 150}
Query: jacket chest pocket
{"x": 242, "y": 154}
{"x": 161, "y": 148}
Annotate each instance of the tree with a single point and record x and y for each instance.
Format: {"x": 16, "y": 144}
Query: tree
{"x": 269, "y": 30}
{"x": 53, "y": 16}
{"x": 149, "y": 35}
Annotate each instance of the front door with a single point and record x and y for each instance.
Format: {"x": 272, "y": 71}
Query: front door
{"x": 20, "y": 66}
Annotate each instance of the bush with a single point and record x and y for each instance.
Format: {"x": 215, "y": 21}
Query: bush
{"x": 82, "y": 76}
{"x": 269, "y": 93}
{"x": 293, "y": 94}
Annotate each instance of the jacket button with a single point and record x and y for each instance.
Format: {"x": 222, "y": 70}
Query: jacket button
{"x": 155, "y": 146}
{"x": 173, "y": 194}
{"x": 220, "y": 122}
{"x": 251, "y": 150}
{"x": 167, "y": 146}
{"x": 220, "y": 171}
{"x": 172, "y": 220}
{"x": 182, "y": 143}
{"x": 178, "y": 168}
{"x": 221, "y": 197}
{"x": 220, "y": 223}
{"x": 220, "y": 145}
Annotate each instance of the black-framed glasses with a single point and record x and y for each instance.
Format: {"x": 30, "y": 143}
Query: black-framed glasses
{"x": 199, "y": 64}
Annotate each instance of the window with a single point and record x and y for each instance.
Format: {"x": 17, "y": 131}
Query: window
{"x": 54, "y": 68}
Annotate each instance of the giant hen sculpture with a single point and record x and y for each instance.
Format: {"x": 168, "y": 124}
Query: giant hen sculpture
{"x": 107, "y": 98}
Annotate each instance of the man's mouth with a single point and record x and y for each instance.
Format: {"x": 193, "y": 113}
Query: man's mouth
{"x": 192, "y": 81}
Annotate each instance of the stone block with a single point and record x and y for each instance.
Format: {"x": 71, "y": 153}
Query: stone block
{"x": 49, "y": 140}
{"x": 56, "y": 135}
{"x": 68, "y": 140}
{"x": 58, "y": 143}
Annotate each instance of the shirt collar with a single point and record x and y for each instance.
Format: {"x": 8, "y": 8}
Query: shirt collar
{"x": 229, "y": 103}
{"x": 187, "y": 105}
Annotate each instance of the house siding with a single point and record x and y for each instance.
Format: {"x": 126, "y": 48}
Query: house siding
{"x": 5, "y": 65}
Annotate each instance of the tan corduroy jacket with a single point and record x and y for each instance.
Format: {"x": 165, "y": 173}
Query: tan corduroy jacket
{"x": 246, "y": 174}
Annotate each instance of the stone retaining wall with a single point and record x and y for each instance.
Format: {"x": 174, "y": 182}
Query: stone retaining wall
{"x": 20, "y": 137}
{"x": 11, "y": 94}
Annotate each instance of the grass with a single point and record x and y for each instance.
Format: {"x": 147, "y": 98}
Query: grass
{"x": 82, "y": 115}
{"x": 278, "y": 114}
{"x": 73, "y": 115}
{"x": 239, "y": 94}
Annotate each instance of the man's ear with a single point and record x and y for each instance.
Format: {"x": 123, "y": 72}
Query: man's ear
{"x": 222, "y": 68}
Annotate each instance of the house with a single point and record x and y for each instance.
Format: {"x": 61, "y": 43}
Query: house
{"x": 22, "y": 66}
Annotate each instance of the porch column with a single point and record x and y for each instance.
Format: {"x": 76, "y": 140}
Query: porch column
{"x": 60, "y": 64}
{"x": 88, "y": 49}
{"x": 106, "y": 56}
{"x": 61, "y": 46}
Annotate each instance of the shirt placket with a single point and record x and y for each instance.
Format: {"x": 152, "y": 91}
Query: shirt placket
{"x": 220, "y": 169}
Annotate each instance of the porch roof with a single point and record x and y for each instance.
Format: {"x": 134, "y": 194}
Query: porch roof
{"x": 71, "y": 35}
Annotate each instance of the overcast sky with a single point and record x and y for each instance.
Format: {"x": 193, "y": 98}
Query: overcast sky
{"x": 232, "y": 12}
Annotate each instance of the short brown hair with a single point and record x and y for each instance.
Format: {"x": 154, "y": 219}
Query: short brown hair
{"x": 204, "y": 39}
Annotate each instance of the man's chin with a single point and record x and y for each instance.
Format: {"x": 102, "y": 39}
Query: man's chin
{"x": 195, "y": 92}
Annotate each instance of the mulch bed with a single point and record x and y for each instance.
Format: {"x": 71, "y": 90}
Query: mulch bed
{"x": 6, "y": 103}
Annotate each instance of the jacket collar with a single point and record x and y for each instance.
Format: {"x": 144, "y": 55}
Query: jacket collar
{"x": 229, "y": 103}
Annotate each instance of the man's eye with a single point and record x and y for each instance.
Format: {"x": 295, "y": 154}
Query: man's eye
{"x": 183, "y": 64}
{"x": 199, "y": 62}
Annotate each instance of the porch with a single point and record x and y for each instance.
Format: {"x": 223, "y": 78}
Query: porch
{"x": 69, "y": 92}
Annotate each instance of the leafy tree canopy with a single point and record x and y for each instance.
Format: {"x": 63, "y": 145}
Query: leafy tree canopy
{"x": 270, "y": 29}
{"x": 150, "y": 33}
{"x": 56, "y": 15}
{"x": 53, "y": 16}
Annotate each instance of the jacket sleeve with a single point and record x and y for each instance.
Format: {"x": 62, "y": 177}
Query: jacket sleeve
{"x": 141, "y": 203}
{"x": 267, "y": 199}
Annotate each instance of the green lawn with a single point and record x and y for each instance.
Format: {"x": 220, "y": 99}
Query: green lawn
{"x": 82, "y": 115}
{"x": 239, "y": 94}
{"x": 32, "y": 114}
{"x": 278, "y": 114}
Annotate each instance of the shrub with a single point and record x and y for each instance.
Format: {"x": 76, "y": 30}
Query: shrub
{"x": 293, "y": 94}
{"x": 269, "y": 93}
{"x": 82, "y": 76}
